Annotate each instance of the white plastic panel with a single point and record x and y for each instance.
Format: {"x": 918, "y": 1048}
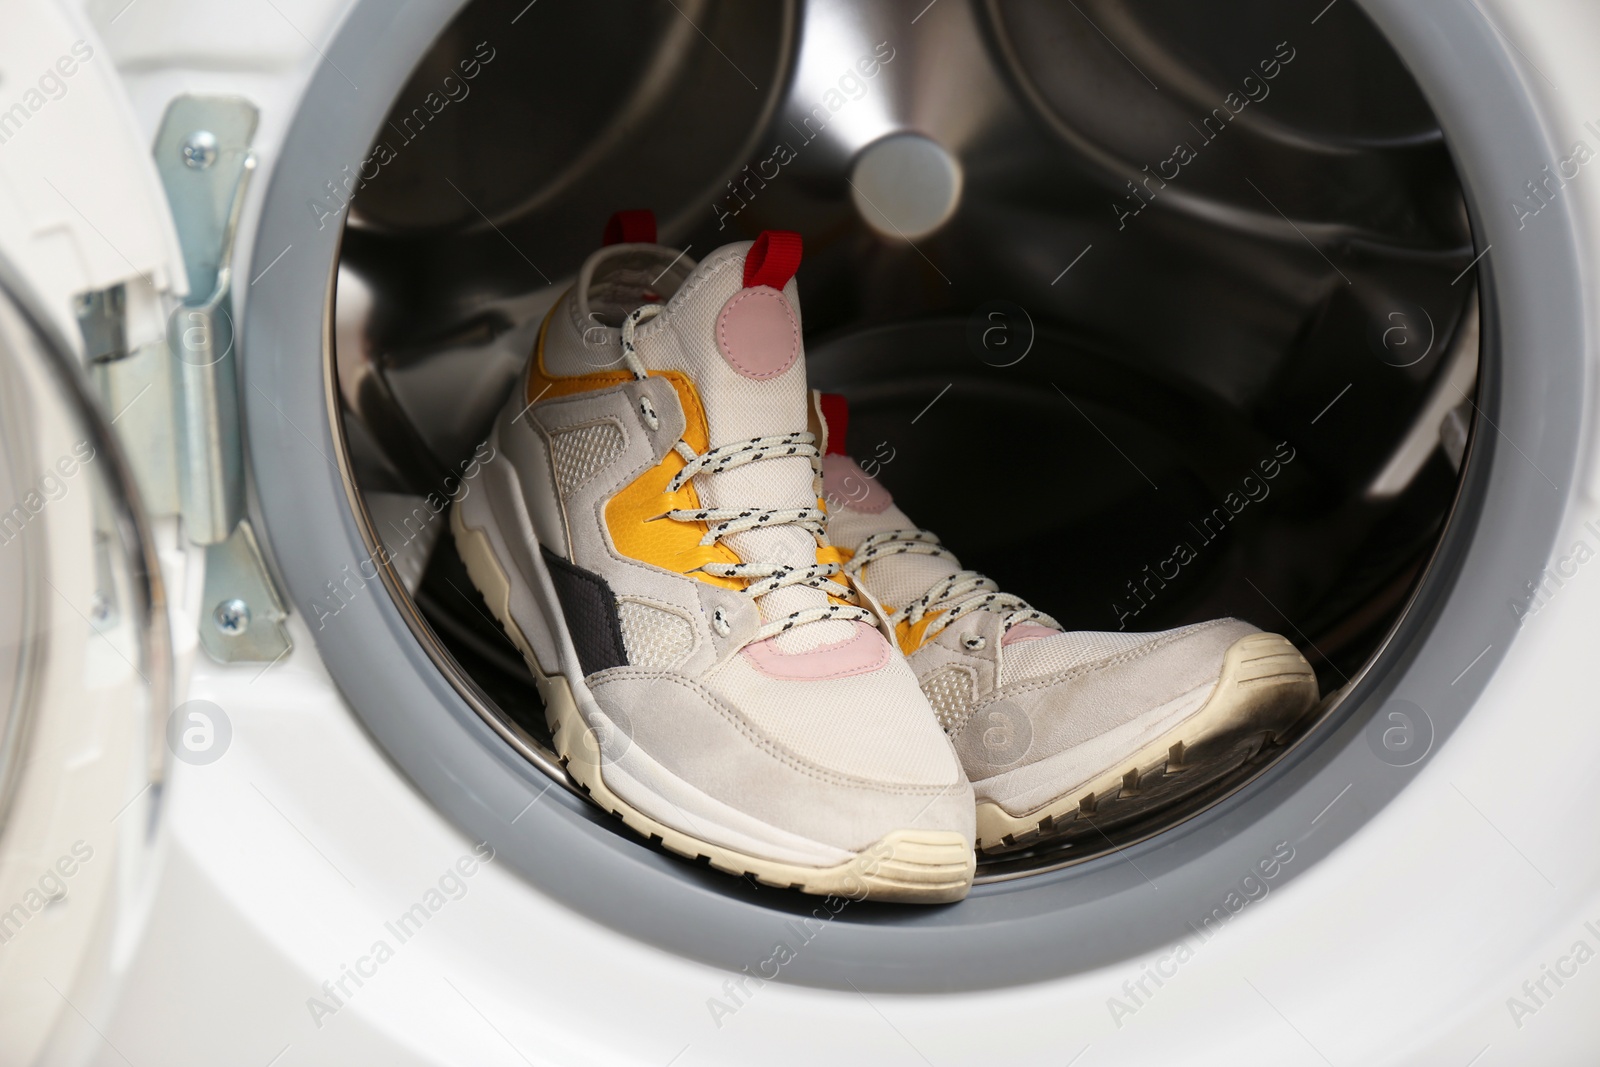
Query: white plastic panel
{"x": 79, "y": 764}
{"x": 80, "y": 205}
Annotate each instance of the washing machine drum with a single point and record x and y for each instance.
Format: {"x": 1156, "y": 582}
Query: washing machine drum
{"x": 1079, "y": 268}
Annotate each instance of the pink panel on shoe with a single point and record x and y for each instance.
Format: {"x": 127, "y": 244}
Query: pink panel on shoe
{"x": 845, "y": 482}
{"x": 1026, "y": 631}
{"x": 758, "y": 334}
{"x": 861, "y": 653}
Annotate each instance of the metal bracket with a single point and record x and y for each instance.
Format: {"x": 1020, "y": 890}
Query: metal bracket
{"x": 102, "y": 319}
{"x": 138, "y": 390}
{"x": 244, "y": 618}
{"x": 139, "y": 394}
{"x": 203, "y": 155}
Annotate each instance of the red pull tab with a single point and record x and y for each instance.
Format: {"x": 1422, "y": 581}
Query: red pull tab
{"x": 636, "y": 227}
{"x": 836, "y": 415}
{"x": 772, "y": 260}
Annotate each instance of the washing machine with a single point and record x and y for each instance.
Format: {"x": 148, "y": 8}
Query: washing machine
{"x": 276, "y": 789}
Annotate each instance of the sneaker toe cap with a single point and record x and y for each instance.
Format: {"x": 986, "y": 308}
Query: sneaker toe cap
{"x": 1083, "y": 690}
{"x": 829, "y": 762}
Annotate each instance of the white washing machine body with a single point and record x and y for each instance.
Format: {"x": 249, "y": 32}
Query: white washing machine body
{"x": 303, "y": 897}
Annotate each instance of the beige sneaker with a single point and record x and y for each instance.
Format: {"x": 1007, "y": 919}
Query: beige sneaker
{"x": 655, "y": 546}
{"x": 1048, "y": 723}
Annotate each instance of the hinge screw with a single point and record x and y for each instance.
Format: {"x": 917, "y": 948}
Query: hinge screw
{"x": 200, "y": 149}
{"x": 232, "y": 617}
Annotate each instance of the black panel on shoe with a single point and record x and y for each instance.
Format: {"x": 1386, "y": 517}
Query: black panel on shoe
{"x": 591, "y": 612}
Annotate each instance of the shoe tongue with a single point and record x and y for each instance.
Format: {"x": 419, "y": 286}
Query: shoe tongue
{"x": 733, "y": 328}
{"x": 740, "y": 345}
{"x": 858, "y": 507}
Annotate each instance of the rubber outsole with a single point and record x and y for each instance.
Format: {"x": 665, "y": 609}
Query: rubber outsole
{"x": 907, "y": 866}
{"x": 1264, "y": 688}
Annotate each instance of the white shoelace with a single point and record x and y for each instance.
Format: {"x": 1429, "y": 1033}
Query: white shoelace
{"x": 723, "y": 522}
{"x": 960, "y": 594}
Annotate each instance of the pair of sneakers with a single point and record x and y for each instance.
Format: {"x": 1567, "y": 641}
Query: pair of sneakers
{"x": 814, "y": 694}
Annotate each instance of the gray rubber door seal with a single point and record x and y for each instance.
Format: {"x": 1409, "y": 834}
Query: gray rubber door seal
{"x": 1051, "y": 924}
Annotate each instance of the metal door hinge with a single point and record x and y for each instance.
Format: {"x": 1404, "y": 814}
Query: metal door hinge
{"x": 244, "y": 614}
{"x": 203, "y": 155}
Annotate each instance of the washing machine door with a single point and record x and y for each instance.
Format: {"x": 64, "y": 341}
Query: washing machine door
{"x": 85, "y": 640}
{"x": 85, "y": 678}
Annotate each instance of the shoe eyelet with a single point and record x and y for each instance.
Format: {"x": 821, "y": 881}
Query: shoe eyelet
{"x": 975, "y": 642}
{"x": 719, "y": 623}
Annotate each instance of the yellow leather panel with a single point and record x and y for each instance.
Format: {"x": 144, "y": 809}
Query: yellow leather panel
{"x": 541, "y": 386}
{"x": 633, "y": 514}
{"x": 911, "y": 637}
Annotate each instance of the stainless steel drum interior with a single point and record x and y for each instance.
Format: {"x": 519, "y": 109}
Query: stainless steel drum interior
{"x": 1180, "y": 327}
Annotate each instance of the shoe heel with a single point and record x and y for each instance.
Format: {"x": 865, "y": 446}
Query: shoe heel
{"x": 500, "y": 573}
